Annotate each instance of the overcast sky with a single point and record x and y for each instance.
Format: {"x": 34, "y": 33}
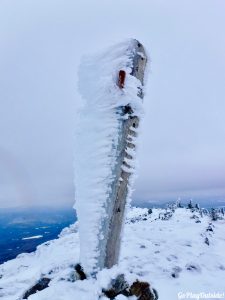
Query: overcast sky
{"x": 182, "y": 151}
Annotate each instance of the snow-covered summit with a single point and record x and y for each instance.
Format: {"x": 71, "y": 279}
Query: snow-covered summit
{"x": 176, "y": 252}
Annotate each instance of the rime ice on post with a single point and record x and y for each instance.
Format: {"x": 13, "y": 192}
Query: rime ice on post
{"x": 111, "y": 84}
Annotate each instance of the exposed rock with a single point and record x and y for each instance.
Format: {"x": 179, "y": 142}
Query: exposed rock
{"x": 119, "y": 286}
{"x": 221, "y": 267}
{"x": 141, "y": 290}
{"x": 209, "y": 228}
{"x": 39, "y": 286}
{"x": 195, "y": 217}
{"x": 80, "y": 272}
{"x": 207, "y": 241}
{"x": 193, "y": 267}
{"x": 176, "y": 271}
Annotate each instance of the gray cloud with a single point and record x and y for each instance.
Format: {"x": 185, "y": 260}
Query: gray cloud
{"x": 183, "y": 133}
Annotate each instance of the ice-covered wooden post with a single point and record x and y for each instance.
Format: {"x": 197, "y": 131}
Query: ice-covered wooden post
{"x": 126, "y": 148}
{"x": 112, "y": 85}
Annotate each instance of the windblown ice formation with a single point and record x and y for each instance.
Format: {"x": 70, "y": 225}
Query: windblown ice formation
{"x": 97, "y": 138}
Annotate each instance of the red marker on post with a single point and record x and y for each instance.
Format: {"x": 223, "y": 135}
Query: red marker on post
{"x": 121, "y": 79}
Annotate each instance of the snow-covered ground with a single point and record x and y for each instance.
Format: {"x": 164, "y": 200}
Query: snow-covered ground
{"x": 170, "y": 254}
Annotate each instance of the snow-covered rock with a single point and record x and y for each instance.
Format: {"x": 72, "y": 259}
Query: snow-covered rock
{"x": 170, "y": 254}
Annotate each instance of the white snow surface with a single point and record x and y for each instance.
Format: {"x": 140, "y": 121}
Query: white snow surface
{"x": 152, "y": 250}
{"x": 96, "y": 140}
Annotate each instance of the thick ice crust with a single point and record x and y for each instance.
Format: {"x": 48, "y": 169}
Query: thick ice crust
{"x": 97, "y": 144}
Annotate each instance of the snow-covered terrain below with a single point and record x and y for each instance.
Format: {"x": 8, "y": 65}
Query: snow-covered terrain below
{"x": 182, "y": 254}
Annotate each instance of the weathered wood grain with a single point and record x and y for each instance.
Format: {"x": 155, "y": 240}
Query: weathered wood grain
{"x": 120, "y": 188}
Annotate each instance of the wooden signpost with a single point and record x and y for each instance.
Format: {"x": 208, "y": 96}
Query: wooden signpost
{"x": 109, "y": 251}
